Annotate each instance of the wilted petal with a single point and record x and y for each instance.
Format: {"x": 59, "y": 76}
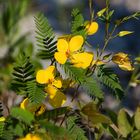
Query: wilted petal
{"x": 57, "y": 83}
{"x": 126, "y": 66}
{"x": 58, "y": 100}
{"x": 51, "y": 90}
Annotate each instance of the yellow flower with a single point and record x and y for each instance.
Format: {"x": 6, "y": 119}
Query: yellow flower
{"x": 31, "y": 137}
{"x": 47, "y": 76}
{"x": 35, "y": 109}
{"x": 123, "y": 61}
{"x": 66, "y": 48}
{"x": 82, "y": 60}
{"x": 92, "y": 27}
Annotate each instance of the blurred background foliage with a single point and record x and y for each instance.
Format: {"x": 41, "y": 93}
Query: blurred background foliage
{"x": 17, "y": 33}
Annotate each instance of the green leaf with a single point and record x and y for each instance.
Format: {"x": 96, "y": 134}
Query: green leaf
{"x": 111, "y": 80}
{"x": 77, "y": 132}
{"x": 22, "y": 115}
{"x": 18, "y": 130}
{"x": 77, "y": 27}
{"x": 23, "y": 72}
{"x": 112, "y": 115}
{"x": 56, "y": 132}
{"x": 110, "y": 130}
{"x": 137, "y": 118}
{"x": 94, "y": 115}
{"x": 54, "y": 113}
{"x": 124, "y": 124}
{"x": 2, "y": 125}
{"x": 135, "y": 135}
{"x": 35, "y": 93}
{"x": 89, "y": 109}
{"x": 45, "y": 37}
{"x": 8, "y": 135}
{"x": 87, "y": 83}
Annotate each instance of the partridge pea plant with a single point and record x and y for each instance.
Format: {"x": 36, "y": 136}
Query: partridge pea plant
{"x": 52, "y": 106}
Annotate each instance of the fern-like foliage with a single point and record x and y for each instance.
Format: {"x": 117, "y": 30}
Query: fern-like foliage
{"x": 7, "y": 135}
{"x": 22, "y": 115}
{"x": 56, "y": 132}
{"x": 77, "y": 132}
{"x": 2, "y": 125}
{"x": 35, "y": 93}
{"x": 23, "y": 73}
{"x": 53, "y": 114}
{"x": 24, "y": 80}
{"x": 77, "y": 23}
{"x": 45, "y": 37}
{"x": 88, "y": 83}
{"x": 111, "y": 80}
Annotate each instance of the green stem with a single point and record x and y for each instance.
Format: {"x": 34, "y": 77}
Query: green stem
{"x": 91, "y": 10}
{"x": 107, "y": 40}
{"x": 88, "y": 44}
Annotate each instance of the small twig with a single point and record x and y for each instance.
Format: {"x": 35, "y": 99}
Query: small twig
{"x": 88, "y": 44}
{"x": 91, "y": 10}
{"x": 75, "y": 93}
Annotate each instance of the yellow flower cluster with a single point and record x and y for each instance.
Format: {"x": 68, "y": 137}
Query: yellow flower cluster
{"x": 53, "y": 84}
{"x": 70, "y": 49}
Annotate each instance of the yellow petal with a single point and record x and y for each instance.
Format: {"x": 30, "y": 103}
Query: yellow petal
{"x": 43, "y": 76}
{"x": 62, "y": 45}
{"x": 60, "y": 57}
{"x": 57, "y": 83}
{"x": 50, "y": 73}
{"x": 82, "y": 60}
{"x": 124, "y": 33}
{"x": 58, "y": 100}
{"x": 24, "y": 103}
{"x": 92, "y": 28}
{"x": 76, "y": 43}
{"x": 50, "y": 69}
